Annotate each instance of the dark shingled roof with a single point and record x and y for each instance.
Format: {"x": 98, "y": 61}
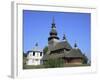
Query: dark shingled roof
{"x": 61, "y": 45}
{"x": 73, "y": 53}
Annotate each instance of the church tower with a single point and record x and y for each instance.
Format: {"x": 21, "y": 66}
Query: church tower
{"x": 53, "y": 38}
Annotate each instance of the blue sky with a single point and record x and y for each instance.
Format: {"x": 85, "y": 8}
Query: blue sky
{"x": 76, "y": 26}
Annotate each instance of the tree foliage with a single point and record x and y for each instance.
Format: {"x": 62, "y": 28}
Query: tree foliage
{"x": 45, "y": 50}
{"x": 52, "y": 63}
{"x": 24, "y": 58}
{"x": 85, "y": 59}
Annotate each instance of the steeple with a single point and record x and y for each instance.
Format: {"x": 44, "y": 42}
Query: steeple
{"x": 36, "y": 48}
{"x": 53, "y": 32}
{"x": 53, "y": 20}
{"x": 53, "y": 23}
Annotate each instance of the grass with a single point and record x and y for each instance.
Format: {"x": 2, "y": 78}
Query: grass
{"x": 42, "y": 66}
{"x": 33, "y": 66}
{"x": 76, "y": 65}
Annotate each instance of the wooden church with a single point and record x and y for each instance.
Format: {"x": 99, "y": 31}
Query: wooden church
{"x": 61, "y": 49}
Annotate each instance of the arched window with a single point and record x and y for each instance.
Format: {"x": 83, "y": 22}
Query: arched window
{"x": 33, "y": 53}
{"x": 40, "y": 53}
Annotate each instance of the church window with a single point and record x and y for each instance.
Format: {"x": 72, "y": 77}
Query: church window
{"x": 33, "y": 53}
{"x": 40, "y": 53}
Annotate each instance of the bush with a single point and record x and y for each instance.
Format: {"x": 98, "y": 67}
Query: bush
{"x": 52, "y": 63}
{"x": 45, "y": 50}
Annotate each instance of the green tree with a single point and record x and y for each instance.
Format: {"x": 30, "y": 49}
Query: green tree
{"x": 45, "y": 50}
{"x": 85, "y": 59}
{"x": 52, "y": 63}
{"x": 24, "y": 58}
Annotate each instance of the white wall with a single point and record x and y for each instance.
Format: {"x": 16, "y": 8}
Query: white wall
{"x": 30, "y": 58}
{"x": 5, "y": 41}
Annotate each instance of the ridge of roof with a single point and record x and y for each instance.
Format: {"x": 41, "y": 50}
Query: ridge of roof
{"x": 61, "y": 45}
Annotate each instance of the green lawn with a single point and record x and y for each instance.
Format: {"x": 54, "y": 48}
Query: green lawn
{"x": 76, "y": 65}
{"x": 42, "y": 66}
{"x": 33, "y": 67}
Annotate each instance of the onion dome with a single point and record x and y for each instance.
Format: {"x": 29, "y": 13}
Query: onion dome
{"x": 75, "y": 45}
{"x": 37, "y": 48}
{"x": 53, "y": 32}
{"x": 64, "y": 37}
